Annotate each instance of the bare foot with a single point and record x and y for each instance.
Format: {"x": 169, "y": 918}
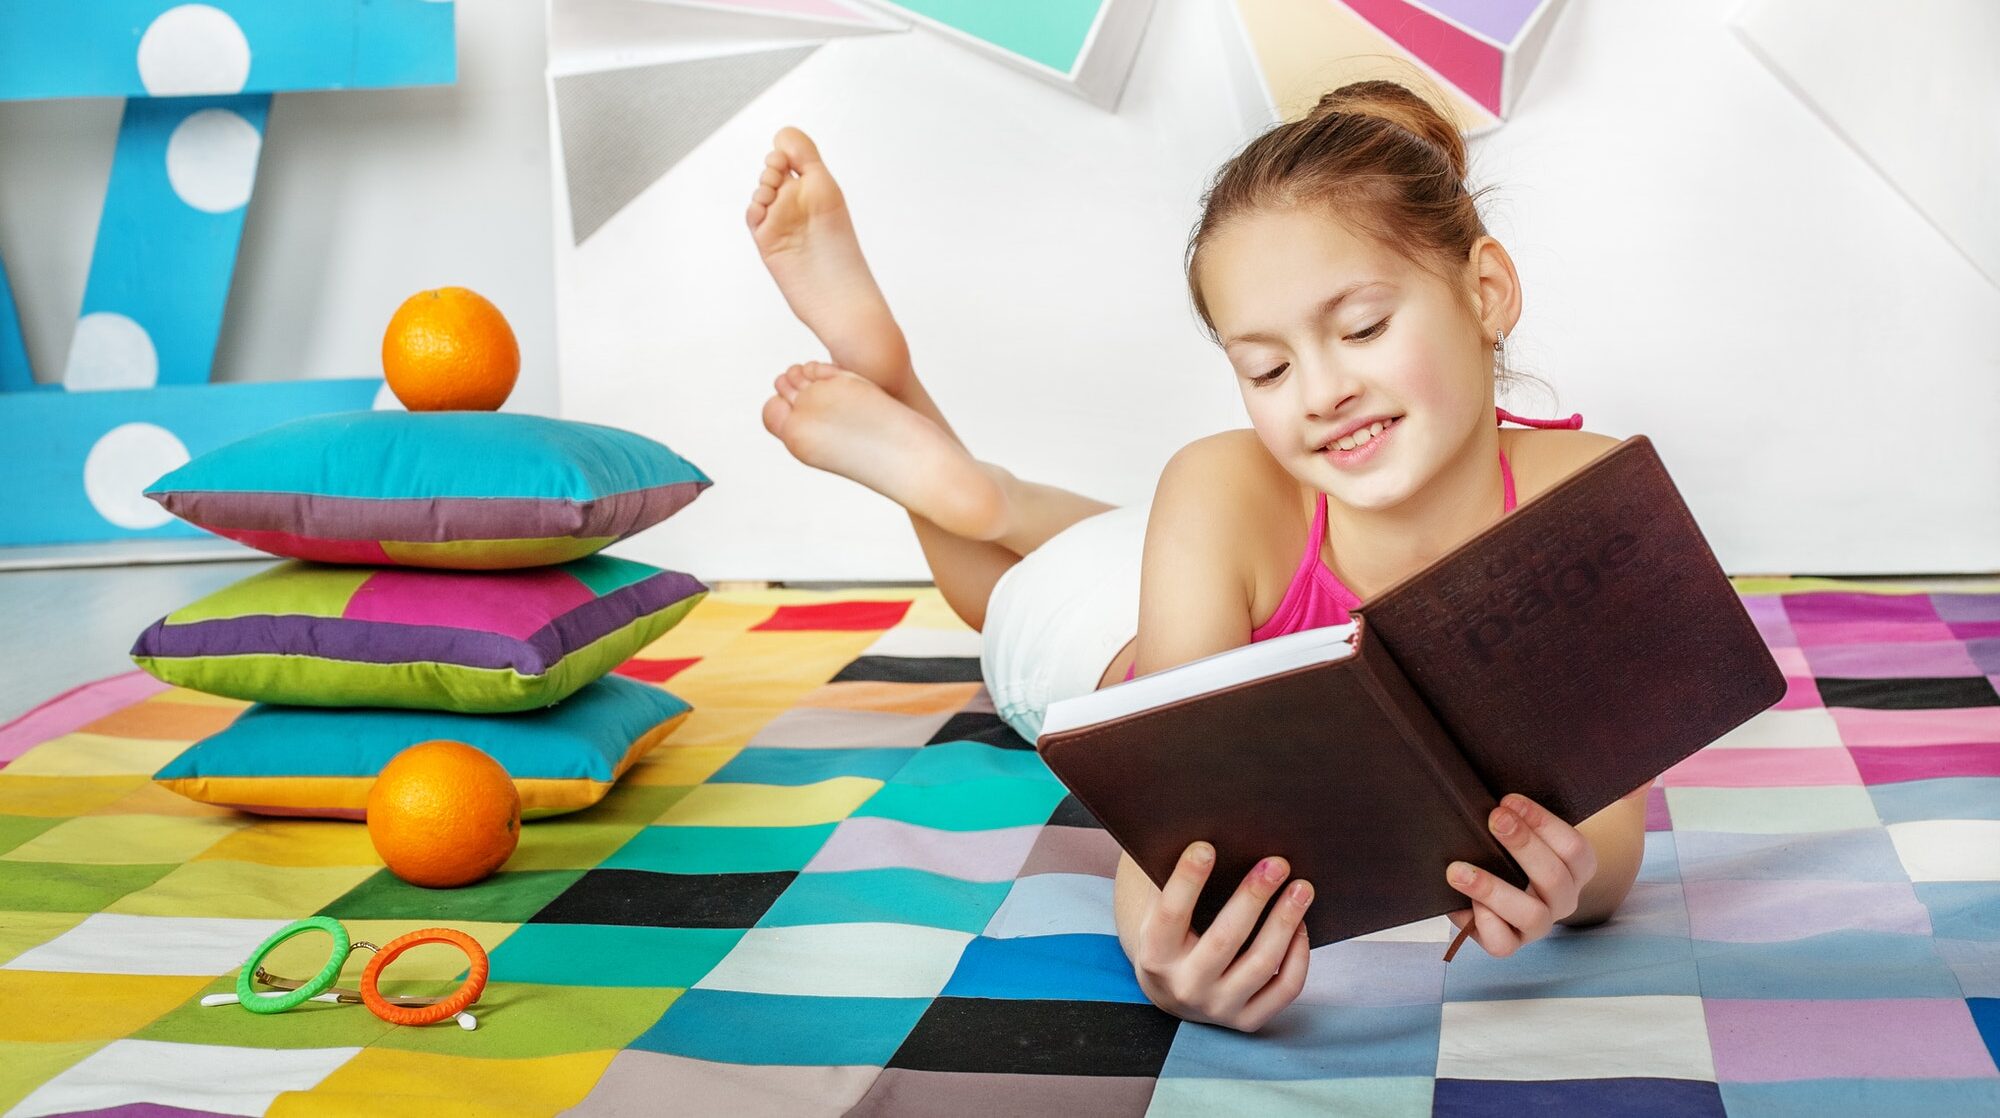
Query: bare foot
{"x": 799, "y": 220}
{"x": 834, "y": 420}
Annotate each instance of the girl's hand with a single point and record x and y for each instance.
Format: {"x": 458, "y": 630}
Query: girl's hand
{"x": 1201, "y": 978}
{"x": 1559, "y": 862}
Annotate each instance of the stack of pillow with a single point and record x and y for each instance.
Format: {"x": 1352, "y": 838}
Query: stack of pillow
{"x": 445, "y": 582}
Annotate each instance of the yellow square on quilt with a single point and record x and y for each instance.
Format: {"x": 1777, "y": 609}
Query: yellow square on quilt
{"x": 28, "y": 1066}
{"x": 87, "y": 1006}
{"x": 770, "y": 805}
{"x": 126, "y": 840}
{"x": 673, "y": 764}
{"x": 61, "y": 797}
{"x": 386, "y": 1081}
{"x": 81, "y": 754}
{"x": 245, "y": 890}
{"x": 298, "y": 842}
{"x": 769, "y": 669}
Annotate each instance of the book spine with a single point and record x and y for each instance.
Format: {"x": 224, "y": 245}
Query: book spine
{"x": 1471, "y": 800}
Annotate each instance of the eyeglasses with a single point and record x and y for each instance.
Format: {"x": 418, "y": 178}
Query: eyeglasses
{"x": 395, "y": 1010}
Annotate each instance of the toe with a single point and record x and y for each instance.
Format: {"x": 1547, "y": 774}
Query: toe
{"x": 764, "y": 196}
{"x": 772, "y": 177}
{"x": 797, "y": 146}
{"x": 776, "y": 410}
{"x": 754, "y": 216}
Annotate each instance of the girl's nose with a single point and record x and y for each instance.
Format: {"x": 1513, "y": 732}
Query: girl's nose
{"x": 1325, "y": 387}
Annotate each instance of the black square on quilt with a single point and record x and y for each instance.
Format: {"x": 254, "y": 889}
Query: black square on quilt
{"x": 1071, "y": 813}
{"x": 911, "y": 669}
{"x": 1039, "y": 1037}
{"x": 667, "y": 900}
{"x": 977, "y": 725}
{"x": 1908, "y": 694}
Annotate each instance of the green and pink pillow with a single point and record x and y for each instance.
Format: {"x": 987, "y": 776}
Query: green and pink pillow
{"x": 452, "y": 490}
{"x": 472, "y": 642}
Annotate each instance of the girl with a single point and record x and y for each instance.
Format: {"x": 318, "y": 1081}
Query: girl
{"x": 1343, "y": 268}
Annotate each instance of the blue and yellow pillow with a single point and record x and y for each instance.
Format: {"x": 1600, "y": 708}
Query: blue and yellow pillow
{"x": 278, "y": 760}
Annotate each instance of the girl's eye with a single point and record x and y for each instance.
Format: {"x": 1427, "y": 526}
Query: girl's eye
{"x": 1270, "y": 376}
{"x": 1372, "y": 332}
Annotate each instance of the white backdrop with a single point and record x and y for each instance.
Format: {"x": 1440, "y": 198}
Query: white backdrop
{"x": 1704, "y": 262}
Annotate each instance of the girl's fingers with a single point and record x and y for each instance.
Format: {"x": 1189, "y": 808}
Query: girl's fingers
{"x": 1256, "y": 967}
{"x": 1280, "y": 991}
{"x": 1566, "y": 841}
{"x": 1222, "y": 939}
{"x": 1163, "y": 935}
{"x": 1495, "y": 936}
{"x": 1526, "y": 914}
{"x": 1546, "y": 870}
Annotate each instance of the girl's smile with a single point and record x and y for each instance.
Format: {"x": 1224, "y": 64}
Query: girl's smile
{"x": 1351, "y": 452}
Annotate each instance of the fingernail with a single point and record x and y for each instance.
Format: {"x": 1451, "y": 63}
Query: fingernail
{"x": 1201, "y": 854}
{"x": 1302, "y": 894}
{"x": 1269, "y": 870}
{"x": 1462, "y": 873}
{"x": 1504, "y": 821}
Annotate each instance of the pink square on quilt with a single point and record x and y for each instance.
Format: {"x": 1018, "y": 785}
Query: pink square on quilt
{"x": 1763, "y": 768}
{"x": 513, "y": 603}
{"x": 1907, "y": 1038}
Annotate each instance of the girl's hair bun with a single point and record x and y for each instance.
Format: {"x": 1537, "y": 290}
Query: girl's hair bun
{"x": 1397, "y": 104}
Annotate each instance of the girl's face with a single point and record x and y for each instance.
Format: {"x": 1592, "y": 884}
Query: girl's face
{"x": 1330, "y": 334}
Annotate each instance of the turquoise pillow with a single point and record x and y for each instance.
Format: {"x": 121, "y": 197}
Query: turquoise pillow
{"x": 461, "y": 490}
{"x": 279, "y": 760}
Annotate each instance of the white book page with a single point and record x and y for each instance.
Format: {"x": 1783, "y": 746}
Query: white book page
{"x": 1200, "y": 677}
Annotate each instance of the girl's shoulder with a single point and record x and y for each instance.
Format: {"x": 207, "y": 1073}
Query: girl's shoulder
{"x": 1230, "y": 483}
{"x": 1541, "y": 458}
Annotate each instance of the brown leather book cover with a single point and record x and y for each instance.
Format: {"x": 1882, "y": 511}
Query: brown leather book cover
{"x": 1572, "y": 651}
{"x": 1583, "y": 644}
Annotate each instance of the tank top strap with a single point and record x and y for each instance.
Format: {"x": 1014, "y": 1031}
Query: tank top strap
{"x": 1502, "y": 415}
{"x": 1573, "y": 423}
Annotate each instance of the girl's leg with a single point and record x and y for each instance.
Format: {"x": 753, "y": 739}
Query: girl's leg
{"x": 803, "y": 230}
{"x": 973, "y": 520}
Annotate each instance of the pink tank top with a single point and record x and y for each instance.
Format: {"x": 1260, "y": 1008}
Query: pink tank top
{"x": 1316, "y": 596}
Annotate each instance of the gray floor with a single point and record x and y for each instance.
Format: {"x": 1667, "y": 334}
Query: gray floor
{"x": 60, "y": 628}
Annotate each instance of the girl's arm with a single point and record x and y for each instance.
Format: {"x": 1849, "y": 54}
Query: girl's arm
{"x": 1194, "y": 601}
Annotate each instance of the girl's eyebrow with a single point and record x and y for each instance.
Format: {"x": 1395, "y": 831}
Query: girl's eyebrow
{"x": 1332, "y": 304}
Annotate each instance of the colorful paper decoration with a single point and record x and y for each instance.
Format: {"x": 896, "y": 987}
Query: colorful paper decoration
{"x": 1484, "y": 47}
{"x": 1479, "y": 53}
{"x": 1085, "y": 46}
{"x": 622, "y": 129}
{"x": 134, "y": 401}
{"x": 1946, "y": 167}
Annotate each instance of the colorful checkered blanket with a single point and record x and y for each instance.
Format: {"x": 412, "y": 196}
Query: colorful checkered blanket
{"x": 845, "y": 887}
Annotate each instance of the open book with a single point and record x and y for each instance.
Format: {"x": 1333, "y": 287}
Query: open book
{"x": 1570, "y": 652}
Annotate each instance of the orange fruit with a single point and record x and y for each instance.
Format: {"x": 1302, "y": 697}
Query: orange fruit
{"x": 450, "y": 350}
{"x": 442, "y": 813}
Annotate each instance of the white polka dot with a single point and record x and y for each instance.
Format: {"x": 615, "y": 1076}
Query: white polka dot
{"x": 193, "y": 49}
{"x": 212, "y": 160}
{"x": 109, "y": 350}
{"x": 385, "y": 400}
{"x": 127, "y": 460}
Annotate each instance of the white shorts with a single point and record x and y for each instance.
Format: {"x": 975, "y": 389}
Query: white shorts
{"x": 1057, "y": 618}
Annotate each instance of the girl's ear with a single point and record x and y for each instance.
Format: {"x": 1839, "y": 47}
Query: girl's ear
{"x": 1497, "y": 285}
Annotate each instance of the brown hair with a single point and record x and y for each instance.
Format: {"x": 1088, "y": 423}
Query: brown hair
{"x": 1376, "y": 154}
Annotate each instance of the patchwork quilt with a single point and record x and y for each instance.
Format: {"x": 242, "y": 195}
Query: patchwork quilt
{"x": 844, "y": 886}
